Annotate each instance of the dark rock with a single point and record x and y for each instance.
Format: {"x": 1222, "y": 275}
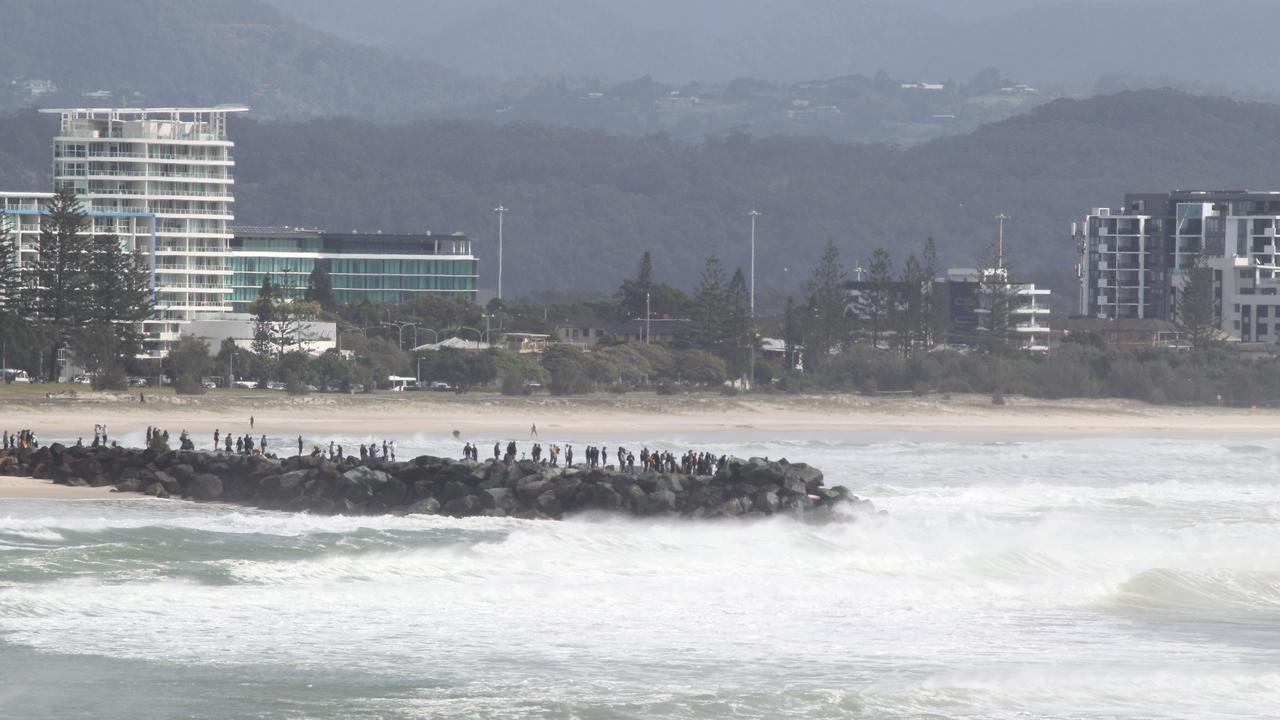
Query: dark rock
{"x": 548, "y": 504}
{"x": 529, "y": 488}
{"x": 767, "y": 502}
{"x": 662, "y": 501}
{"x": 465, "y": 506}
{"x": 428, "y": 506}
{"x": 453, "y": 490}
{"x": 205, "y": 487}
{"x": 502, "y": 498}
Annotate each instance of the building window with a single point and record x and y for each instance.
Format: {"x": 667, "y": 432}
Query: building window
{"x": 1262, "y": 329}
{"x": 1263, "y": 311}
{"x": 1235, "y": 307}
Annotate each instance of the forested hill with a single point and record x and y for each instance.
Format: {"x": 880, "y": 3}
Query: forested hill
{"x": 585, "y": 205}
{"x": 193, "y": 52}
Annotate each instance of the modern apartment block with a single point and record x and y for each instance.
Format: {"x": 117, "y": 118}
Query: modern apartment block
{"x": 1133, "y": 260}
{"x": 161, "y": 179}
{"x": 362, "y": 266}
{"x": 969, "y": 306}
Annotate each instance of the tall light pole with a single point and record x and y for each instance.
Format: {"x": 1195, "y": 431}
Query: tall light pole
{"x": 647, "y": 316}
{"x": 501, "y": 210}
{"x": 1000, "y": 241}
{"x": 754, "y": 214}
{"x": 752, "y": 372}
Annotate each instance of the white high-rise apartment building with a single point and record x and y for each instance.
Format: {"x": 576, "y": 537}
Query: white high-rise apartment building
{"x": 165, "y": 175}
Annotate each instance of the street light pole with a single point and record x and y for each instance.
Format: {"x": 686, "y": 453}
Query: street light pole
{"x": 501, "y": 211}
{"x": 647, "y": 316}
{"x": 752, "y": 379}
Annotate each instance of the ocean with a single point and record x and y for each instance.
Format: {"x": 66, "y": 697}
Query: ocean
{"x": 1082, "y": 578}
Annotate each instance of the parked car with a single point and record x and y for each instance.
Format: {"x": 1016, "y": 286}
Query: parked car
{"x": 443, "y": 386}
{"x": 82, "y": 380}
{"x": 138, "y": 382}
{"x": 245, "y": 384}
{"x": 208, "y": 384}
{"x": 17, "y": 376}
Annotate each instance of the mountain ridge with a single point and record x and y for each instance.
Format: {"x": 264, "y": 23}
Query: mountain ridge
{"x": 585, "y": 204}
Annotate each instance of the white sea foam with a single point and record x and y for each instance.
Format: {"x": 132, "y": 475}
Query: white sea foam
{"x": 1121, "y": 579}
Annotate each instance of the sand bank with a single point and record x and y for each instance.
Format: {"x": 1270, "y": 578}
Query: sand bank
{"x": 24, "y": 488}
{"x": 635, "y": 415}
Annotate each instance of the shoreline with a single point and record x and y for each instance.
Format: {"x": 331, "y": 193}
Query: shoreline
{"x": 608, "y": 417}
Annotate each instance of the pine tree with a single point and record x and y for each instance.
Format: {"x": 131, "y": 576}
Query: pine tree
{"x": 908, "y": 315}
{"x": 998, "y": 298}
{"x": 121, "y": 290}
{"x": 320, "y": 289}
{"x": 13, "y": 311}
{"x": 11, "y": 286}
{"x": 711, "y": 308}
{"x": 739, "y": 329}
{"x": 633, "y": 292}
{"x": 61, "y": 283}
{"x": 829, "y": 328}
{"x": 793, "y": 332}
{"x": 877, "y": 299}
{"x": 932, "y": 310}
{"x": 1196, "y": 304}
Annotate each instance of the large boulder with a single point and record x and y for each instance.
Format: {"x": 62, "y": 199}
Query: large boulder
{"x": 366, "y": 475}
{"x": 170, "y": 483}
{"x": 531, "y": 487}
{"x": 662, "y": 501}
{"x": 465, "y": 506}
{"x": 502, "y": 498}
{"x": 805, "y": 473}
{"x": 767, "y": 502}
{"x": 426, "y": 506}
{"x": 548, "y": 504}
{"x": 454, "y": 489}
{"x": 205, "y": 486}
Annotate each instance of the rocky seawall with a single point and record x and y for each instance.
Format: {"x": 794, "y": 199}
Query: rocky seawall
{"x": 432, "y": 485}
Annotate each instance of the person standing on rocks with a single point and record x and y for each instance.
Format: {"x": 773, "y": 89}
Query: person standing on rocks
{"x": 497, "y": 451}
{"x": 215, "y": 439}
{"x": 227, "y": 439}
{"x": 299, "y": 446}
{"x": 250, "y": 422}
{"x": 568, "y": 456}
{"x": 533, "y": 431}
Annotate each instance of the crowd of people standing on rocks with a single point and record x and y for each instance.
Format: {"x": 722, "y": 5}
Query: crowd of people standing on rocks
{"x": 690, "y": 463}
{"x": 20, "y": 439}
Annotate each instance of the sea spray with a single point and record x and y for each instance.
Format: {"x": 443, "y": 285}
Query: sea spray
{"x": 1121, "y": 578}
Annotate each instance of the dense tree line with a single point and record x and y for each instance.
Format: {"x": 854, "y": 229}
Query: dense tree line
{"x": 82, "y": 294}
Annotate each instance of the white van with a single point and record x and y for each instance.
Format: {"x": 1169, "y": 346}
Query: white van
{"x": 16, "y": 376}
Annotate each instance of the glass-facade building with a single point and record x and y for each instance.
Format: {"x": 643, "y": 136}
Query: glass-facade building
{"x": 361, "y": 266}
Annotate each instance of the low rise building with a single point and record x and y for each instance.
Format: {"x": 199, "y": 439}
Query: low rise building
{"x": 313, "y": 337}
{"x": 380, "y": 267}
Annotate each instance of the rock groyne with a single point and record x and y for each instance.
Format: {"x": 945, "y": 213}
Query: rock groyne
{"x": 432, "y": 485}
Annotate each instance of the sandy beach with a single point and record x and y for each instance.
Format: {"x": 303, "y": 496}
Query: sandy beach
{"x": 606, "y": 417}
{"x": 23, "y": 488}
